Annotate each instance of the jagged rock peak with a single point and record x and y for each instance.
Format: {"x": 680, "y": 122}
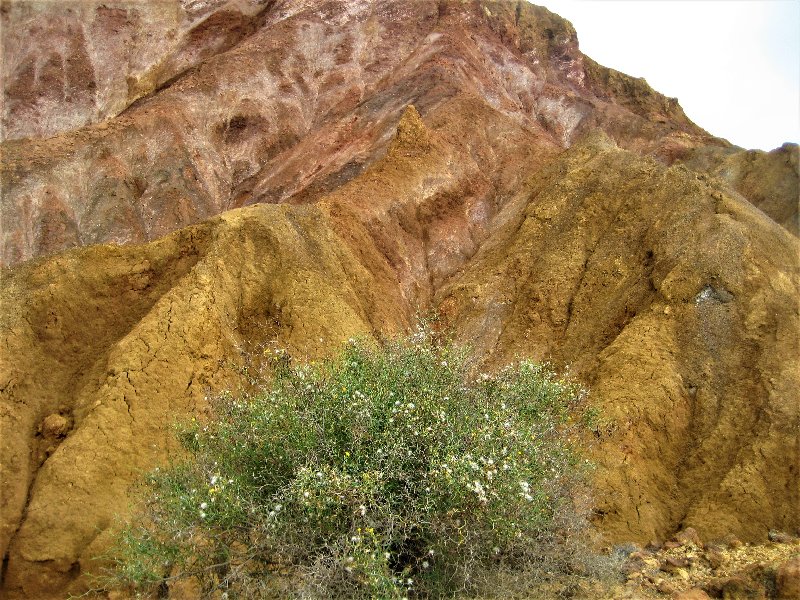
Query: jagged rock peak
{"x": 411, "y": 135}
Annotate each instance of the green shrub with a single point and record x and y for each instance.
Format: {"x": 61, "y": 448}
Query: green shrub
{"x": 385, "y": 473}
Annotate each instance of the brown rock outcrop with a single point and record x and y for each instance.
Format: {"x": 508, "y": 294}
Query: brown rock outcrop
{"x": 442, "y": 154}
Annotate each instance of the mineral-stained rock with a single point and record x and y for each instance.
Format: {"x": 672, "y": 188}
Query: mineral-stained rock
{"x": 305, "y": 100}
{"x": 68, "y": 64}
{"x": 292, "y": 173}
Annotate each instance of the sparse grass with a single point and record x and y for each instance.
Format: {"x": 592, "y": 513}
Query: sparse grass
{"x": 384, "y": 473}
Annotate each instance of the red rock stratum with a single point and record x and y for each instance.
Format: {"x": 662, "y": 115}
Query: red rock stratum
{"x": 186, "y": 182}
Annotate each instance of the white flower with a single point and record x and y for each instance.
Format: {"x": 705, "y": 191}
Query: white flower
{"x": 202, "y": 515}
{"x": 214, "y": 479}
{"x": 306, "y": 494}
{"x": 411, "y": 406}
{"x": 363, "y": 510}
{"x": 425, "y": 564}
{"x": 409, "y": 581}
{"x": 204, "y": 506}
{"x": 496, "y": 550}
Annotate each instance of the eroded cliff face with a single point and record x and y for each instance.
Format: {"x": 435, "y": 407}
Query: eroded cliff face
{"x": 278, "y": 188}
{"x": 70, "y": 64}
{"x": 305, "y": 103}
{"x": 677, "y": 302}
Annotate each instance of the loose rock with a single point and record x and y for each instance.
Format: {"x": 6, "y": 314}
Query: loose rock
{"x": 788, "y": 579}
{"x": 688, "y": 536}
{"x": 673, "y": 563}
{"x": 55, "y": 425}
{"x": 780, "y": 537}
{"x": 692, "y": 594}
{"x": 715, "y": 558}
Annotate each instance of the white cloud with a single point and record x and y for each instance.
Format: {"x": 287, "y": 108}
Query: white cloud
{"x": 733, "y": 65}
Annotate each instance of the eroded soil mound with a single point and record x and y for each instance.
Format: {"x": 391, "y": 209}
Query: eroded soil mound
{"x": 284, "y": 193}
{"x": 677, "y": 302}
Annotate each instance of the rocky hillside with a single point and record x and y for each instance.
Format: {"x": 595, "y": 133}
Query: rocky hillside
{"x": 186, "y": 183}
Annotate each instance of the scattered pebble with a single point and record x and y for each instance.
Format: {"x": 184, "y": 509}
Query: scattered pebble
{"x": 684, "y": 568}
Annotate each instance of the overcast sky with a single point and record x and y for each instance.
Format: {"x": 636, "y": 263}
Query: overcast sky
{"x": 734, "y": 65}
